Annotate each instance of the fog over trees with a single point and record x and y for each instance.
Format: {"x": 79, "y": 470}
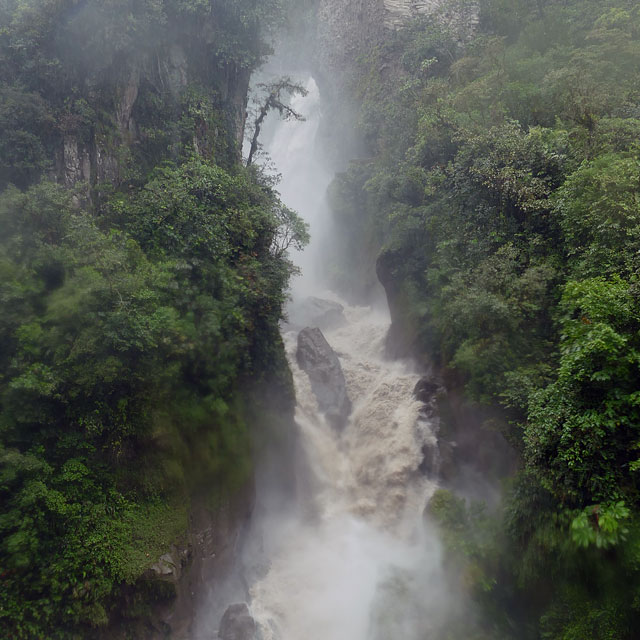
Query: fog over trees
{"x": 484, "y": 167}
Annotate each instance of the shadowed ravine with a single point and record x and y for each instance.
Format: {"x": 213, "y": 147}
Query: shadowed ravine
{"x": 352, "y": 558}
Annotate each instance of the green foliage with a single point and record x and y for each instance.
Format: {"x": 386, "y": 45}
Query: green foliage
{"x": 575, "y": 615}
{"x": 470, "y": 537}
{"x": 136, "y": 316}
{"x": 97, "y": 73}
{"x": 25, "y": 123}
{"x": 69, "y": 538}
{"x": 599, "y": 205}
{"x": 125, "y": 339}
{"x": 501, "y": 196}
{"x": 466, "y": 532}
{"x": 582, "y": 428}
{"x": 600, "y": 525}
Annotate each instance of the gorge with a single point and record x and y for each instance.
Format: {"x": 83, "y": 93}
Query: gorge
{"x": 353, "y": 543}
{"x": 424, "y": 425}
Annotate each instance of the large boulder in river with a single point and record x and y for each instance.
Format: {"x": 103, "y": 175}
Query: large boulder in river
{"x": 316, "y": 312}
{"x": 237, "y": 624}
{"x": 322, "y": 365}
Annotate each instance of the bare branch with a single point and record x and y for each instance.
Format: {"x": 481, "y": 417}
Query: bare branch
{"x": 274, "y": 99}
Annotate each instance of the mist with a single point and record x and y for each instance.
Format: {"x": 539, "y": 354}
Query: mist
{"x": 424, "y": 425}
{"x": 348, "y": 553}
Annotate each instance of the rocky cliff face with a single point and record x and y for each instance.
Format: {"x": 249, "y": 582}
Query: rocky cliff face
{"x": 347, "y": 28}
{"x": 101, "y": 154}
{"x": 397, "y": 12}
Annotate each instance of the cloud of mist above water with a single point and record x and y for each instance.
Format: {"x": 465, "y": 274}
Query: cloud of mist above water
{"x": 336, "y": 559}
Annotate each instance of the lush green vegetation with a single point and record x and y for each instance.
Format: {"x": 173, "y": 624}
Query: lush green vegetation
{"x": 139, "y": 297}
{"x": 503, "y": 194}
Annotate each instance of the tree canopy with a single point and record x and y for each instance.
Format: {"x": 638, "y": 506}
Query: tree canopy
{"x": 501, "y": 197}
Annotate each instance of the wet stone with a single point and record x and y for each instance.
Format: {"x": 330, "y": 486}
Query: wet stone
{"x": 316, "y": 357}
{"x": 425, "y": 390}
{"x": 237, "y": 624}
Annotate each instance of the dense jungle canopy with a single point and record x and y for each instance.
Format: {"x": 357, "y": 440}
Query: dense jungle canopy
{"x": 143, "y": 276}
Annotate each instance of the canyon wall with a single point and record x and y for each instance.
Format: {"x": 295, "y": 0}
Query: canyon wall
{"x": 102, "y": 154}
{"x": 348, "y": 28}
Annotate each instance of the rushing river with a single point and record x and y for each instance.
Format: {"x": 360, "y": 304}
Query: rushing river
{"x": 356, "y": 562}
{"x": 352, "y": 559}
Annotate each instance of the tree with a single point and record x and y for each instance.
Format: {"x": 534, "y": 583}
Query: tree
{"x": 292, "y": 231}
{"x": 274, "y": 99}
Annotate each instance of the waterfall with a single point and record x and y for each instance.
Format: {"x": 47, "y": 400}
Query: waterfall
{"x": 356, "y": 563}
{"x": 353, "y": 558}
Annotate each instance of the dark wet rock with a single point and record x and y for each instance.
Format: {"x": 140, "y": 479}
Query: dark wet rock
{"x": 430, "y": 465}
{"x": 319, "y": 361}
{"x": 429, "y": 392}
{"x": 448, "y": 466}
{"x": 426, "y": 389}
{"x": 237, "y": 624}
{"x": 170, "y": 565}
{"x": 401, "y": 340}
{"x": 316, "y": 312}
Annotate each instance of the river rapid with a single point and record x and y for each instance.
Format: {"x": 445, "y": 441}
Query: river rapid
{"x": 352, "y": 557}
{"x": 355, "y": 560}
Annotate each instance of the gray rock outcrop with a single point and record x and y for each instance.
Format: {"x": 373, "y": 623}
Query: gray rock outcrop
{"x": 171, "y": 564}
{"x": 348, "y": 28}
{"x": 316, "y": 357}
{"x": 237, "y": 624}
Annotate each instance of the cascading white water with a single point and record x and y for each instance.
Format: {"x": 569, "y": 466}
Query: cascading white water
{"x": 358, "y": 563}
{"x": 291, "y": 145}
{"x": 352, "y": 557}
{"x": 353, "y": 560}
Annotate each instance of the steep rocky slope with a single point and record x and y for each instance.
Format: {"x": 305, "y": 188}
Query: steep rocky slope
{"x": 141, "y": 279}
